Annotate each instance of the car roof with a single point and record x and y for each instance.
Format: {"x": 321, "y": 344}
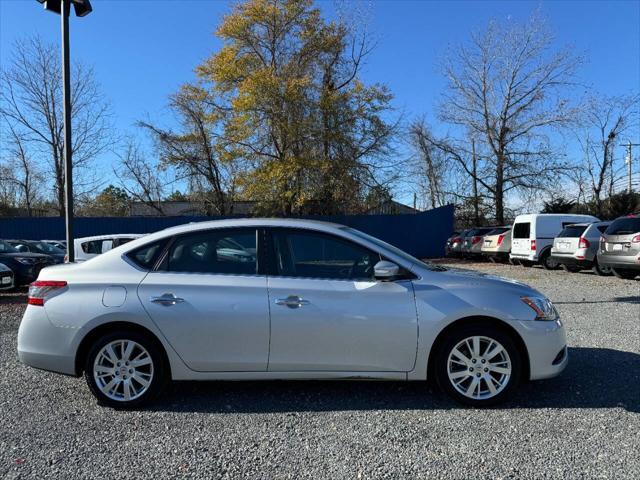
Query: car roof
{"x": 106, "y": 237}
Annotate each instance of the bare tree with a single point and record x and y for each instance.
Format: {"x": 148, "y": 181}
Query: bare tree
{"x": 505, "y": 88}
{"x": 21, "y": 170}
{"x": 142, "y": 180}
{"x": 198, "y": 152}
{"x": 606, "y": 123}
{"x": 31, "y": 102}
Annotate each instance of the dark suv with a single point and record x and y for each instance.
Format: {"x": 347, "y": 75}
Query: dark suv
{"x": 25, "y": 265}
{"x": 620, "y": 247}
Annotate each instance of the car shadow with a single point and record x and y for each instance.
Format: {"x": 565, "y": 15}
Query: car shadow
{"x": 13, "y": 298}
{"x": 594, "y": 378}
{"x": 634, "y": 299}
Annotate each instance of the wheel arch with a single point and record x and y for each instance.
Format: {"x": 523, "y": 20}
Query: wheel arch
{"x": 105, "y": 328}
{"x": 484, "y": 321}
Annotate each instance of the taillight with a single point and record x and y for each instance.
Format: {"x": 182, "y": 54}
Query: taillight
{"x": 456, "y": 240}
{"x": 636, "y": 239}
{"x": 500, "y": 238}
{"x": 39, "y": 290}
{"x": 533, "y": 245}
{"x": 475, "y": 239}
{"x": 583, "y": 243}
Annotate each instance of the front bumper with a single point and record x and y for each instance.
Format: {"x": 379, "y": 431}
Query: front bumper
{"x": 6, "y": 281}
{"x": 545, "y": 340}
{"x": 42, "y": 345}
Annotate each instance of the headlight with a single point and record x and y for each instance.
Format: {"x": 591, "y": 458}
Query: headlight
{"x": 26, "y": 261}
{"x": 542, "y": 306}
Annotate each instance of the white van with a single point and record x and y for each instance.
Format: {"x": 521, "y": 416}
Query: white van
{"x": 533, "y": 234}
{"x": 89, "y": 247}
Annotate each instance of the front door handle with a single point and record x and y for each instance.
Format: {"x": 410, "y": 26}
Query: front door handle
{"x": 167, "y": 299}
{"x": 292, "y": 301}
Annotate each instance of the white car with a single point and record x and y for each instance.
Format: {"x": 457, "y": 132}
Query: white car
{"x": 532, "y": 236}
{"x": 89, "y": 247}
{"x": 296, "y": 299}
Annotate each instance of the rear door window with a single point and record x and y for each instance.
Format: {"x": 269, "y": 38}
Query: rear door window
{"x": 624, "y": 226}
{"x": 521, "y": 230}
{"x": 573, "y": 231}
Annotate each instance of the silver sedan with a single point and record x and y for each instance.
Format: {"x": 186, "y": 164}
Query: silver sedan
{"x": 283, "y": 299}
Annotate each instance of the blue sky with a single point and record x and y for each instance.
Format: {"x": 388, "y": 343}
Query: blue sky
{"x": 143, "y": 50}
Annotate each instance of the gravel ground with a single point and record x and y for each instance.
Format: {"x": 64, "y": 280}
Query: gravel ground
{"x": 584, "y": 424}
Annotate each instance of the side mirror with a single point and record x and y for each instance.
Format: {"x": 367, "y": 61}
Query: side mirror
{"x": 385, "y": 271}
{"x": 22, "y": 248}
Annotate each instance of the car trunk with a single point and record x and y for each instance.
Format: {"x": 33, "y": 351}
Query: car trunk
{"x": 521, "y": 238}
{"x": 568, "y": 241}
{"x": 619, "y": 237}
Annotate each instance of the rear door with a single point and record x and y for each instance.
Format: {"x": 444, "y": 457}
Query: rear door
{"x": 521, "y": 238}
{"x": 210, "y": 301}
{"x": 328, "y": 313}
{"x": 620, "y": 237}
{"x": 567, "y": 241}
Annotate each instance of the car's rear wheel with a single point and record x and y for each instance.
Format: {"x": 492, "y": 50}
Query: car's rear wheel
{"x": 478, "y": 366}
{"x": 547, "y": 262}
{"x": 601, "y": 270}
{"x": 125, "y": 369}
{"x": 626, "y": 273}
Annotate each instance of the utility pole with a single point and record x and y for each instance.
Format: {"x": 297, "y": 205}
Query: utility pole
{"x": 66, "y": 105}
{"x": 82, "y": 8}
{"x": 629, "y": 161}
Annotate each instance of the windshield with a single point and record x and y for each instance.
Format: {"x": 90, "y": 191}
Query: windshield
{"x": 396, "y": 251}
{"x": 6, "y": 248}
{"x": 572, "y": 231}
{"x": 48, "y": 248}
{"x": 624, "y": 226}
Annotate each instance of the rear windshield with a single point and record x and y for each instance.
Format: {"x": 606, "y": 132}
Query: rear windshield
{"x": 521, "y": 230}
{"x": 573, "y": 231}
{"x": 498, "y": 231}
{"x": 478, "y": 231}
{"x": 624, "y": 226}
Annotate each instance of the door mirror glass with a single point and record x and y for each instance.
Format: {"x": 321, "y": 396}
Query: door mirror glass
{"x": 385, "y": 270}
{"x": 22, "y": 248}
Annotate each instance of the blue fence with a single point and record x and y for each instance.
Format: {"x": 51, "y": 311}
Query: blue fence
{"x": 421, "y": 234}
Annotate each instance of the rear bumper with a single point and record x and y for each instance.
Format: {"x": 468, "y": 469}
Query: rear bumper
{"x": 44, "y": 346}
{"x": 571, "y": 260}
{"x": 619, "y": 261}
{"x": 491, "y": 254}
{"x": 530, "y": 257}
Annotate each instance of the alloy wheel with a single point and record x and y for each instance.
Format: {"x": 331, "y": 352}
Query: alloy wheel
{"x": 479, "y": 367}
{"x": 123, "y": 370}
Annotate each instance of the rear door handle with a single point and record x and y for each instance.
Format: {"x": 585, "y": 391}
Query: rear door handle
{"x": 167, "y": 299}
{"x": 292, "y": 301}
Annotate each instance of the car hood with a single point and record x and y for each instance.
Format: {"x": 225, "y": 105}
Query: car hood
{"x": 454, "y": 278}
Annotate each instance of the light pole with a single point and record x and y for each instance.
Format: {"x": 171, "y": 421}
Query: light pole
{"x": 81, "y": 8}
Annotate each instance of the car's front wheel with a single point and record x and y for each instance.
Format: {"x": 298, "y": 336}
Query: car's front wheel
{"x": 626, "y": 273}
{"x": 478, "y": 365}
{"x": 125, "y": 369}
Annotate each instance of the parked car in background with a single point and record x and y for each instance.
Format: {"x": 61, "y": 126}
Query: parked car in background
{"x": 448, "y": 244}
{"x": 7, "y": 281}
{"x": 25, "y": 265}
{"x": 455, "y": 249}
{"x": 532, "y": 236}
{"x": 619, "y": 247}
{"x": 576, "y": 247}
{"x": 89, "y": 247}
{"x": 36, "y": 246}
{"x": 316, "y": 301}
{"x": 472, "y": 242}
{"x": 496, "y": 244}
{"x": 61, "y": 244}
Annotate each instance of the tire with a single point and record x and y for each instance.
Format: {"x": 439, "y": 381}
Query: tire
{"x": 601, "y": 270}
{"x": 625, "y": 273}
{"x": 547, "y": 262}
{"x": 449, "y": 366}
{"x": 570, "y": 268}
{"x": 127, "y": 380}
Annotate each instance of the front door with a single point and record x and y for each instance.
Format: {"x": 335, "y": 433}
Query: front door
{"x": 328, "y": 313}
{"x": 209, "y": 301}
